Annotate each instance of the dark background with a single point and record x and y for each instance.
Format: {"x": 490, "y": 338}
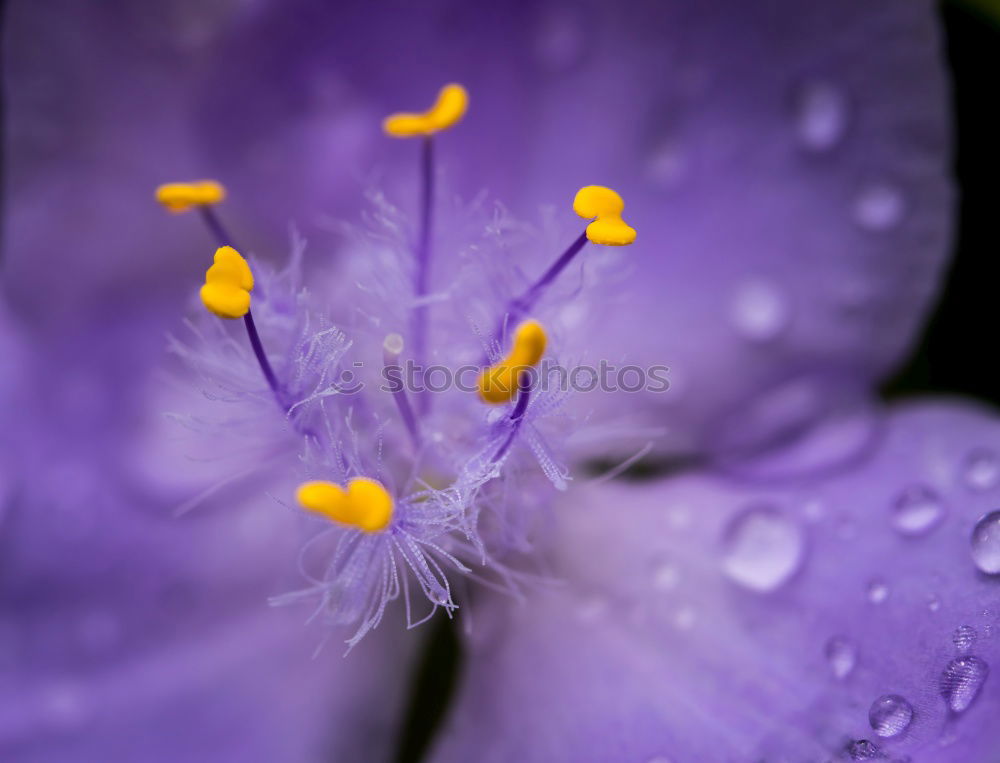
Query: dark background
{"x": 957, "y": 353}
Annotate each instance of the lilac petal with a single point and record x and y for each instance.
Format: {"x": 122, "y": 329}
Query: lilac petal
{"x": 788, "y": 176}
{"x": 786, "y": 167}
{"x": 128, "y": 633}
{"x": 707, "y": 619}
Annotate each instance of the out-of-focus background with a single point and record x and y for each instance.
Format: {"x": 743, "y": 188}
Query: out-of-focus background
{"x": 954, "y": 356}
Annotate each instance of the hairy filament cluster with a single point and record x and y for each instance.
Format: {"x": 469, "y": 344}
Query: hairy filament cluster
{"x": 413, "y": 480}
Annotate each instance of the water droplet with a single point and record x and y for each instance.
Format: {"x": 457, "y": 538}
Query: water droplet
{"x": 664, "y": 164}
{"x": 679, "y": 517}
{"x": 763, "y": 548}
{"x": 981, "y": 469}
{"x": 933, "y": 603}
{"x": 841, "y": 655}
{"x": 986, "y": 543}
{"x": 889, "y": 715}
{"x": 64, "y": 706}
{"x": 878, "y": 591}
{"x": 879, "y": 207}
{"x": 814, "y": 510}
{"x": 964, "y": 637}
{"x": 665, "y": 576}
{"x": 821, "y": 115}
{"x": 759, "y": 311}
{"x": 560, "y": 39}
{"x": 961, "y": 681}
{"x": 917, "y": 510}
{"x": 593, "y": 608}
{"x": 862, "y": 749}
{"x": 684, "y": 618}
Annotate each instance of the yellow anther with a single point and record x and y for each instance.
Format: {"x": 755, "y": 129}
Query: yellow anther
{"x": 228, "y": 284}
{"x": 499, "y": 383}
{"x": 596, "y": 201}
{"x": 365, "y": 504}
{"x": 450, "y": 106}
{"x": 180, "y": 197}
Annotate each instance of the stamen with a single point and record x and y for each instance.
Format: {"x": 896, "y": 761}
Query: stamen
{"x": 228, "y": 284}
{"x": 608, "y": 229}
{"x": 516, "y": 416}
{"x": 202, "y": 195}
{"x": 499, "y": 383}
{"x": 592, "y": 201}
{"x": 365, "y": 504}
{"x": 450, "y": 106}
{"x": 180, "y": 197}
{"x": 226, "y": 293}
{"x": 392, "y": 348}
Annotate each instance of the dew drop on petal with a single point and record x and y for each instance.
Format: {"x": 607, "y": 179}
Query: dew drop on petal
{"x": 592, "y": 609}
{"x": 878, "y": 591}
{"x": 560, "y": 38}
{"x": 917, "y": 510}
{"x": 814, "y": 510}
{"x": 665, "y": 576}
{"x": 964, "y": 637}
{"x": 841, "y": 655}
{"x": 679, "y": 517}
{"x": 821, "y": 115}
{"x": 759, "y": 311}
{"x": 889, "y": 715}
{"x": 64, "y": 706}
{"x": 664, "y": 164}
{"x": 684, "y": 618}
{"x": 985, "y": 543}
{"x": 879, "y": 207}
{"x": 862, "y": 749}
{"x": 762, "y": 549}
{"x": 961, "y": 681}
{"x": 981, "y": 470}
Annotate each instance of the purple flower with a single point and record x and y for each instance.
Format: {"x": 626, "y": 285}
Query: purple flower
{"x": 816, "y": 586}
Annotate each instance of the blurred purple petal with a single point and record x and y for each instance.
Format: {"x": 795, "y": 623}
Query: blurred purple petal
{"x": 708, "y": 619}
{"x": 786, "y": 166}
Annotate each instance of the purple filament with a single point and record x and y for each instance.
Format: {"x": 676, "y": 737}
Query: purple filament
{"x": 517, "y": 415}
{"x": 519, "y": 307}
{"x": 421, "y": 281}
{"x": 258, "y": 350}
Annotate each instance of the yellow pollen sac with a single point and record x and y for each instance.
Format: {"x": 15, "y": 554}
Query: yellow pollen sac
{"x": 498, "y": 383}
{"x": 180, "y": 197}
{"x": 448, "y": 109}
{"x": 365, "y": 504}
{"x": 596, "y": 201}
{"x": 228, "y": 284}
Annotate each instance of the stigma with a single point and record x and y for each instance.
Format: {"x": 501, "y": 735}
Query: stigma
{"x": 365, "y": 504}
{"x": 604, "y": 206}
{"x": 499, "y": 383}
{"x": 450, "y": 106}
{"x": 180, "y": 197}
{"x": 228, "y": 284}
